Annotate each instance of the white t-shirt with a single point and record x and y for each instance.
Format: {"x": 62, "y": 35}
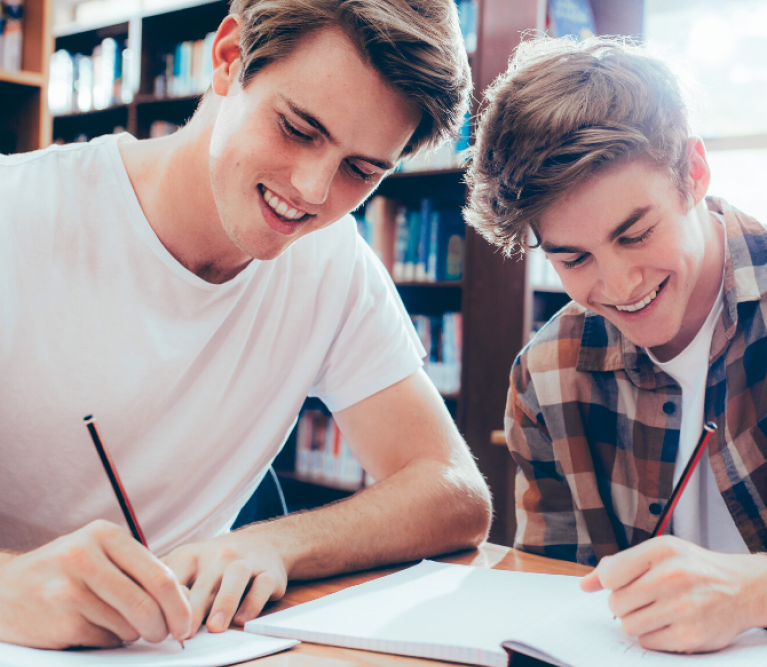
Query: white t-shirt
{"x": 701, "y": 515}
{"x": 195, "y": 386}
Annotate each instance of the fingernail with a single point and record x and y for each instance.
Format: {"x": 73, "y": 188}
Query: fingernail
{"x": 217, "y": 622}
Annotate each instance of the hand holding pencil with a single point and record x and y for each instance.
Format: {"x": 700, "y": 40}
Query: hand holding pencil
{"x": 676, "y": 596}
{"x": 94, "y": 587}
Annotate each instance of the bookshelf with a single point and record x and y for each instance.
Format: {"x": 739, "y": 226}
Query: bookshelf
{"x": 495, "y": 297}
{"x": 24, "y": 120}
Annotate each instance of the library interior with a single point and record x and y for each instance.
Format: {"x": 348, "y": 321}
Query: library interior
{"x": 75, "y": 70}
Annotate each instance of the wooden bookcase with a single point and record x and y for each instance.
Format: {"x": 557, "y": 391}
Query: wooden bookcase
{"x": 24, "y": 121}
{"x": 494, "y": 296}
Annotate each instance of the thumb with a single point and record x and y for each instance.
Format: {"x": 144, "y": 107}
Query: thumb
{"x": 591, "y": 583}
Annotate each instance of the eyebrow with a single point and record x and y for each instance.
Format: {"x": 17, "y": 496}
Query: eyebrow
{"x": 635, "y": 216}
{"x": 317, "y": 125}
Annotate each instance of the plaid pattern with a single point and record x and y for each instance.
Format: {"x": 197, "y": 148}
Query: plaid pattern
{"x": 593, "y": 425}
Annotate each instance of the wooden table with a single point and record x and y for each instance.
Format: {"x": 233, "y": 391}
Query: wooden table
{"x": 315, "y": 655}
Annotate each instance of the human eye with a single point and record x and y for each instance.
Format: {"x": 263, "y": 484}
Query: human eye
{"x": 357, "y": 172}
{"x": 292, "y": 131}
{"x": 573, "y": 263}
{"x": 632, "y": 240}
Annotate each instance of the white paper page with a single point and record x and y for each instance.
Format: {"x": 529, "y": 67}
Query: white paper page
{"x": 462, "y": 614}
{"x": 446, "y": 612}
{"x": 203, "y": 650}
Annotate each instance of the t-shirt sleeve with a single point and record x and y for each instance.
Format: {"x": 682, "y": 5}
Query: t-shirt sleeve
{"x": 375, "y": 345}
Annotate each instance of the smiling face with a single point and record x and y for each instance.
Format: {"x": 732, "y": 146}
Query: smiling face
{"x": 303, "y": 144}
{"x": 628, "y": 247}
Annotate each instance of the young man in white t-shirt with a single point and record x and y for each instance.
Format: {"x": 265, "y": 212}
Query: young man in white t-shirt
{"x": 586, "y": 145}
{"x": 190, "y": 292}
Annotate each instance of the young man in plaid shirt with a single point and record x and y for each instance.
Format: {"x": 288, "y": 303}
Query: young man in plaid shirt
{"x": 585, "y": 147}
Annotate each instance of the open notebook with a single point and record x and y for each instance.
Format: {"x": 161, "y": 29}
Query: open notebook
{"x": 462, "y": 614}
{"x": 203, "y": 650}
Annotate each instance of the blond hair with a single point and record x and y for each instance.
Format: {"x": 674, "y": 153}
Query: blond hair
{"x": 563, "y": 111}
{"x": 415, "y": 45}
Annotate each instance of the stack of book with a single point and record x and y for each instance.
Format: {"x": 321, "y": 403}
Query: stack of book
{"x": 187, "y": 70}
{"x": 442, "y": 339}
{"x": 86, "y": 82}
{"x": 322, "y": 454}
{"x": 11, "y": 34}
{"x": 424, "y": 244}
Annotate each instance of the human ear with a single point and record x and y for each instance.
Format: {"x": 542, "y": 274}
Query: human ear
{"x": 226, "y": 55}
{"x": 698, "y": 172}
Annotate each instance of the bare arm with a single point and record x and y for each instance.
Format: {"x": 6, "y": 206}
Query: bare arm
{"x": 430, "y": 499}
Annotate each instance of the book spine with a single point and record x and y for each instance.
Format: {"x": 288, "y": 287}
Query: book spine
{"x": 424, "y": 241}
{"x": 414, "y": 237}
{"x": 401, "y": 244}
{"x": 13, "y": 35}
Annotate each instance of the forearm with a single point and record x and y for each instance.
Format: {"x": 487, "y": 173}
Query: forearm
{"x": 427, "y": 508}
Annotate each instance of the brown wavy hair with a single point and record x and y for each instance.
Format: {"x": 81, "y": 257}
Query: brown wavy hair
{"x": 563, "y": 111}
{"x": 415, "y": 45}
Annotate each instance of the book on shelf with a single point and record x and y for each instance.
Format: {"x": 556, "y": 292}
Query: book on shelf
{"x": 11, "y": 34}
{"x": 570, "y": 17}
{"x": 322, "y": 454}
{"x": 451, "y": 155}
{"x": 468, "y": 11}
{"x": 423, "y": 244}
{"x": 442, "y": 338}
{"x": 187, "y": 69}
{"x": 99, "y": 80}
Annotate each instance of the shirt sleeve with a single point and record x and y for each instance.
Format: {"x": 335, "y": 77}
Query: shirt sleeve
{"x": 375, "y": 345}
{"x": 548, "y": 522}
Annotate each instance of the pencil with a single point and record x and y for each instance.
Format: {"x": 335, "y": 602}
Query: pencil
{"x": 708, "y": 430}
{"x": 114, "y": 478}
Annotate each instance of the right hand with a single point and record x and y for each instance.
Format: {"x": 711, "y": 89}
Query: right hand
{"x": 95, "y": 587}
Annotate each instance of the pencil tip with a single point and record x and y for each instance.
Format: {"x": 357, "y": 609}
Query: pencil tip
{"x": 87, "y": 418}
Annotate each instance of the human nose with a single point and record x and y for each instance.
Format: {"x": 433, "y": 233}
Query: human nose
{"x": 313, "y": 176}
{"x": 619, "y": 280}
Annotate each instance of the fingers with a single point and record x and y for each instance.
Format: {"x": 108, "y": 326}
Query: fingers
{"x": 155, "y": 604}
{"x": 201, "y": 598}
{"x": 234, "y": 582}
{"x": 108, "y": 624}
{"x": 265, "y": 587}
{"x": 93, "y": 636}
{"x": 590, "y": 583}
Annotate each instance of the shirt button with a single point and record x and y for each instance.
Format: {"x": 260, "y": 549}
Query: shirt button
{"x": 669, "y": 408}
{"x": 655, "y": 509}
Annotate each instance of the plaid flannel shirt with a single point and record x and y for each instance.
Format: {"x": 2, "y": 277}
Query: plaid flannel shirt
{"x": 593, "y": 425}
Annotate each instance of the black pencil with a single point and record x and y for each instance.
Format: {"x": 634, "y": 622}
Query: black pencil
{"x": 114, "y": 478}
{"x": 708, "y": 430}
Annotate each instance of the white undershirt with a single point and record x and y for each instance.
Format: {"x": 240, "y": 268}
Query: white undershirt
{"x": 701, "y": 515}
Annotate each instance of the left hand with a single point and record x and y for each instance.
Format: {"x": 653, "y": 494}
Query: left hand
{"x": 676, "y": 596}
{"x": 232, "y": 574}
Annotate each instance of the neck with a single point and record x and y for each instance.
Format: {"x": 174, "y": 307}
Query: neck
{"x": 171, "y": 179}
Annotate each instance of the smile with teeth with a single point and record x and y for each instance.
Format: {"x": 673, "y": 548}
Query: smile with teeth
{"x": 639, "y": 304}
{"x": 280, "y": 207}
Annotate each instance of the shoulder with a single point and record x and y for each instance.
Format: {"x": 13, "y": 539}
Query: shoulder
{"x": 557, "y": 344}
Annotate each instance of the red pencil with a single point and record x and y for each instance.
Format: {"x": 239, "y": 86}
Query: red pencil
{"x": 708, "y": 430}
{"x": 122, "y": 497}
